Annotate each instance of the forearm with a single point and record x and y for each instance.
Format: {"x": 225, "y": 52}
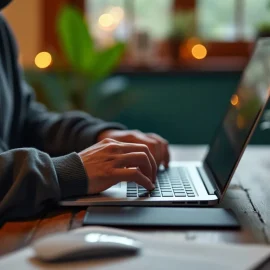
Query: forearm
{"x": 60, "y": 134}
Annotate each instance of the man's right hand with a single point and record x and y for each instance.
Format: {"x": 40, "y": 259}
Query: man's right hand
{"x": 110, "y": 162}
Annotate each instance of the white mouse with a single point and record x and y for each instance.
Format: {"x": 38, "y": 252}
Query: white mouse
{"x": 85, "y": 244}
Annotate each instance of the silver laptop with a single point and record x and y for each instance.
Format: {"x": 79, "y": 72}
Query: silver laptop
{"x": 204, "y": 182}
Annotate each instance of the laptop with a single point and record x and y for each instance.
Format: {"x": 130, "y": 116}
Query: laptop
{"x": 204, "y": 183}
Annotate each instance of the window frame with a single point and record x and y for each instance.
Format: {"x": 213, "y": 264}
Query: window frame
{"x": 238, "y": 51}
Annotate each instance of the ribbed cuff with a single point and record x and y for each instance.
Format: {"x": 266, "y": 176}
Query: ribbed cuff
{"x": 71, "y": 174}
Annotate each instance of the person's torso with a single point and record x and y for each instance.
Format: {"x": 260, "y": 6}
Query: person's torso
{"x": 8, "y": 100}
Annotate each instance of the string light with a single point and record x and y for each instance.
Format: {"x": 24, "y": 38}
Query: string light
{"x": 199, "y": 51}
{"x": 234, "y": 100}
{"x": 106, "y": 20}
{"x": 118, "y": 13}
{"x": 43, "y": 60}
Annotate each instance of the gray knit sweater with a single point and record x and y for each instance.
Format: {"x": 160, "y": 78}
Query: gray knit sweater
{"x": 38, "y": 161}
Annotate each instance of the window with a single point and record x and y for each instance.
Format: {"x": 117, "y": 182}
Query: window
{"x": 225, "y": 27}
{"x": 120, "y": 18}
{"x": 217, "y": 20}
{"x": 231, "y": 20}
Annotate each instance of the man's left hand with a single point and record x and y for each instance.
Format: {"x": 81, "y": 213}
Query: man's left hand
{"x": 156, "y": 144}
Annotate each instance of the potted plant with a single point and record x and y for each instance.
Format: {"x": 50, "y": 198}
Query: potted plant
{"x": 182, "y": 28}
{"x": 70, "y": 84}
{"x": 263, "y": 29}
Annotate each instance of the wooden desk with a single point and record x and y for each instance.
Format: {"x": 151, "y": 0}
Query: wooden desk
{"x": 248, "y": 196}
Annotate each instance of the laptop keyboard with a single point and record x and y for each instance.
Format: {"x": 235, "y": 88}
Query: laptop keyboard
{"x": 174, "y": 182}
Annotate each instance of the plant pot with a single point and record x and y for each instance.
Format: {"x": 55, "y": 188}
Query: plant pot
{"x": 174, "y": 46}
{"x": 263, "y": 34}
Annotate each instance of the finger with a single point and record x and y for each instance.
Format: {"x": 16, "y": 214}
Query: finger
{"x": 139, "y": 137}
{"x": 165, "y": 148}
{"x": 107, "y": 140}
{"x": 136, "y": 159}
{"x": 133, "y": 147}
{"x": 154, "y": 147}
{"x": 133, "y": 175}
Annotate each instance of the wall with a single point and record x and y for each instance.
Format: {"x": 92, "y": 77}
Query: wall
{"x": 184, "y": 107}
{"x": 25, "y": 18}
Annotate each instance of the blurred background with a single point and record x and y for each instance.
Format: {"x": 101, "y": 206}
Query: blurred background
{"x": 165, "y": 66}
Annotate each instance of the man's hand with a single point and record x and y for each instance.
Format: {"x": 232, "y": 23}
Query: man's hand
{"x": 110, "y": 162}
{"x": 156, "y": 144}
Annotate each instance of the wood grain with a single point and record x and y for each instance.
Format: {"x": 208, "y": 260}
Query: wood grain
{"x": 254, "y": 177}
{"x": 16, "y": 235}
{"x": 77, "y": 220}
{"x": 57, "y": 221}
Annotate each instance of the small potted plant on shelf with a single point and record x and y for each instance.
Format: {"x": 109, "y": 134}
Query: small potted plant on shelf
{"x": 182, "y": 28}
{"x": 263, "y": 29}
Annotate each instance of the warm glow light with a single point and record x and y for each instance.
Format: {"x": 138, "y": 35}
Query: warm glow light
{"x": 234, "y": 100}
{"x": 191, "y": 42}
{"x": 43, "y": 60}
{"x": 106, "y": 20}
{"x": 199, "y": 51}
{"x": 118, "y": 13}
{"x": 240, "y": 121}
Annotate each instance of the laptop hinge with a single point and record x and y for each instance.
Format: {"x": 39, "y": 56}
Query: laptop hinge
{"x": 208, "y": 181}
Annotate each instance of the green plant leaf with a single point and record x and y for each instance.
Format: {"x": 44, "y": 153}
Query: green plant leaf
{"x": 75, "y": 40}
{"x": 107, "y": 60}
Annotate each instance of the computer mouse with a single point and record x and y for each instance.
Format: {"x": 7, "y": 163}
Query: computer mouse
{"x": 85, "y": 244}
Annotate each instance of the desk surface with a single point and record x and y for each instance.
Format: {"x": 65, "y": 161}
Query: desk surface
{"x": 248, "y": 196}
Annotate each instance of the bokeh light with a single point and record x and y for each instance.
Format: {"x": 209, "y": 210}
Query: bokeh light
{"x": 117, "y": 13}
{"x": 106, "y": 21}
{"x": 234, "y": 100}
{"x": 191, "y": 42}
{"x": 43, "y": 60}
{"x": 240, "y": 121}
{"x": 199, "y": 51}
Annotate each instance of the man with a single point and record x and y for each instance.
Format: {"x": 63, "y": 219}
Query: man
{"x": 30, "y": 136}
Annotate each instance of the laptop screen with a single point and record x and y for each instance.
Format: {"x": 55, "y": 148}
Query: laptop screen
{"x": 245, "y": 107}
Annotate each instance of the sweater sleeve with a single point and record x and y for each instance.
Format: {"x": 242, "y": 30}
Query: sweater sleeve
{"x": 60, "y": 134}
{"x": 31, "y": 180}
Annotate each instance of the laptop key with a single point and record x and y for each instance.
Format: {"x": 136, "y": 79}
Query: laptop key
{"x": 155, "y": 195}
{"x": 191, "y": 195}
{"x": 179, "y": 194}
{"x": 158, "y": 194}
{"x": 131, "y": 189}
{"x": 143, "y": 195}
{"x": 167, "y": 194}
